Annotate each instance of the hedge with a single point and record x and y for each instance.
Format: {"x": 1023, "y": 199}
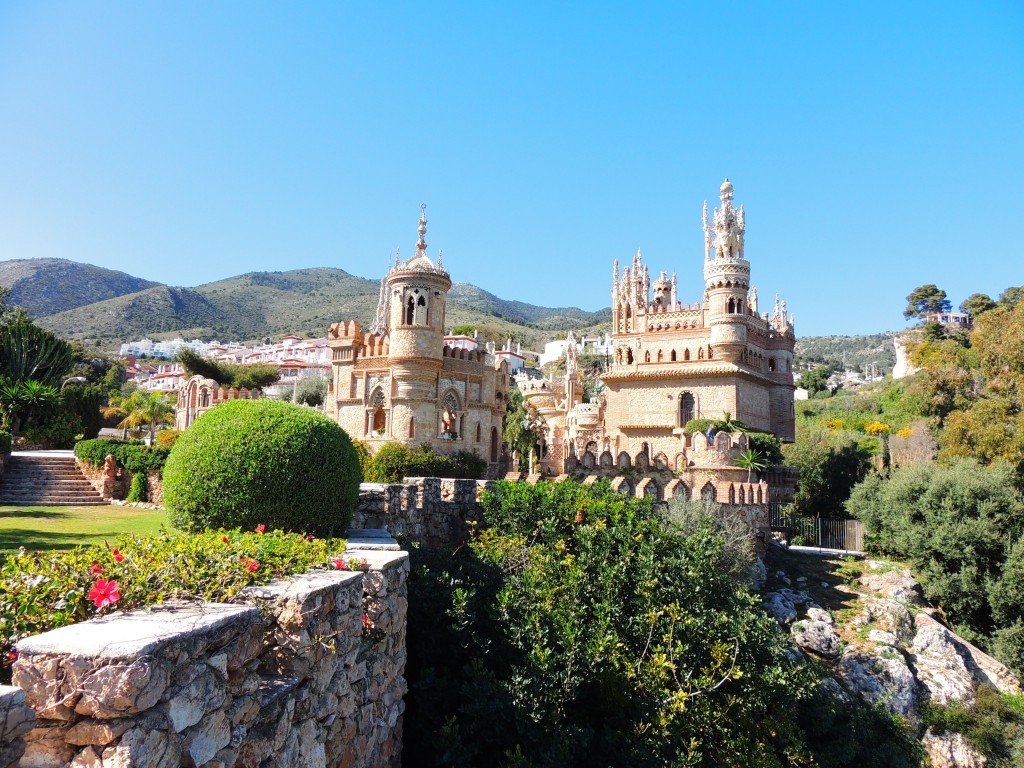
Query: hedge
{"x": 394, "y": 461}
{"x": 247, "y": 462}
{"x": 130, "y": 454}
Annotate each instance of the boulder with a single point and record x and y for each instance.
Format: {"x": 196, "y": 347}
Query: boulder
{"x": 881, "y": 677}
{"x": 780, "y": 607}
{"x": 951, "y": 750}
{"x": 817, "y": 636}
{"x": 940, "y": 667}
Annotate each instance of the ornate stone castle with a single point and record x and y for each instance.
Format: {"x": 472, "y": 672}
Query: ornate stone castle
{"x": 400, "y": 381}
{"x": 675, "y": 362}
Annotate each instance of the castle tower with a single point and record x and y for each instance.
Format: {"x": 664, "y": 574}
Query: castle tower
{"x": 726, "y": 278}
{"x": 418, "y": 293}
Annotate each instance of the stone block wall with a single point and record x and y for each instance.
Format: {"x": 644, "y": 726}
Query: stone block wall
{"x": 117, "y": 484}
{"x": 304, "y": 671}
{"x": 16, "y": 719}
{"x": 431, "y": 511}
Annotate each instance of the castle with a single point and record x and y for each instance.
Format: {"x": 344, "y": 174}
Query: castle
{"x": 673, "y": 363}
{"x": 401, "y": 381}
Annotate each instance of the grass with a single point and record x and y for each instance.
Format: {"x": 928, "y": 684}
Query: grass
{"x": 49, "y": 528}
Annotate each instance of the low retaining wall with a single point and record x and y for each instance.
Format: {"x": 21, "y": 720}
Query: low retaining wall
{"x": 305, "y": 671}
{"x": 438, "y": 512}
{"x": 116, "y": 482}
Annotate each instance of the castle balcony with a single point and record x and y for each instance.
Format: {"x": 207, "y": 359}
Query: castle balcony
{"x": 587, "y": 414}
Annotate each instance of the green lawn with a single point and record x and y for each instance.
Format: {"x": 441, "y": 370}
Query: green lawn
{"x": 38, "y": 528}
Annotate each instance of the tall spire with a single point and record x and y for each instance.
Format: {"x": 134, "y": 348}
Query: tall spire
{"x": 440, "y": 254}
{"x": 397, "y": 260}
{"x": 421, "y": 245}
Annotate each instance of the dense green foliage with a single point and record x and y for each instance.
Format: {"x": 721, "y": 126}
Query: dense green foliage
{"x": 831, "y": 463}
{"x": 961, "y": 529}
{"x": 5, "y": 441}
{"x": 28, "y": 352}
{"x": 970, "y": 385}
{"x": 395, "y": 461}
{"x": 139, "y": 490}
{"x": 229, "y": 374}
{"x": 815, "y": 380}
{"x": 131, "y": 454}
{"x": 311, "y": 391}
{"x": 994, "y": 725}
{"x": 581, "y": 628}
{"x": 522, "y": 428}
{"x": 854, "y": 353}
{"x": 925, "y": 300}
{"x": 248, "y": 462}
{"x": 39, "y": 592}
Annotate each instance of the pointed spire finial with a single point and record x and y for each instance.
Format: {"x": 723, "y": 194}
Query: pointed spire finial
{"x": 396, "y": 256}
{"x": 421, "y": 245}
{"x": 440, "y": 254}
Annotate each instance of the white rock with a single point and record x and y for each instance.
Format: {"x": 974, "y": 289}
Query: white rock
{"x": 951, "y": 750}
{"x": 817, "y": 636}
{"x": 815, "y": 613}
{"x": 940, "y": 667}
{"x": 882, "y": 637}
{"x": 779, "y": 607}
{"x": 881, "y": 678}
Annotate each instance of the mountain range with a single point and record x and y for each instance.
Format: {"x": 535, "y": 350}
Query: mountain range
{"x": 103, "y": 308}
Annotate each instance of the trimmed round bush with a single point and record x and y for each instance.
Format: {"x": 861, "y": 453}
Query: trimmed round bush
{"x": 262, "y": 462}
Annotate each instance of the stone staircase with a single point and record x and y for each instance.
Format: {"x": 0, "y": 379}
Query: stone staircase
{"x": 46, "y": 479}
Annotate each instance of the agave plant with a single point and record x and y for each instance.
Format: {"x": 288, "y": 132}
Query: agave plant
{"x": 22, "y": 402}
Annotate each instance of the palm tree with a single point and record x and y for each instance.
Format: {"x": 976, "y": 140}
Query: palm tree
{"x": 146, "y": 409}
{"x": 751, "y": 459}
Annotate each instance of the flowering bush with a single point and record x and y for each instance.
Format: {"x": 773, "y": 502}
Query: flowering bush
{"x": 876, "y": 428}
{"x": 43, "y": 591}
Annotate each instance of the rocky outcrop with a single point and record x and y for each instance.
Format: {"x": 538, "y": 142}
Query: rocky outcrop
{"x": 893, "y": 653}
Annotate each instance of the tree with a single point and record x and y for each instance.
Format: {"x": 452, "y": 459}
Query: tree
{"x": 311, "y": 392}
{"x": 147, "y": 409}
{"x": 925, "y": 300}
{"x": 977, "y": 304}
{"x": 816, "y": 380}
{"x": 521, "y": 427}
{"x": 1011, "y": 297}
{"x": 463, "y": 330}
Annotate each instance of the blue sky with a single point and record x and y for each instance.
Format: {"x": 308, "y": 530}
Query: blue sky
{"x": 876, "y": 146}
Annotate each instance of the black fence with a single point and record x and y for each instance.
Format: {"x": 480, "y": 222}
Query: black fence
{"x": 822, "y": 532}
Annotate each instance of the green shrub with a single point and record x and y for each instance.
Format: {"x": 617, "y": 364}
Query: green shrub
{"x": 248, "y": 462}
{"x": 140, "y": 488}
{"x": 5, "y": 441}
{"x": 580, "y": 628}
{"x": 994, "y": 725}
{"x": 43, "y": 591}
{"x": 394, "y": 461}
{"x": 133, "y": 455}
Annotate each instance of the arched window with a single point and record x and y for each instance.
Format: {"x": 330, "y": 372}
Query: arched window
{"x": 421, "y": 311}
{"x": 647, "y": 357}
{"x": 478, "y": 433}
{"x": 739, "y": 306}
{"x": 449, "y": 414}
{"x": 686, "y": 354}
{"x": 700, "y": 353}
{"x": 380, "y": 416}
{"x": 771, "y": 363}
{"x": 412, "y": 427}
{"x": 732, "y": 306}
{"x": 659, "y": 355}
{"x": 494, "y": 444}
{"x": 672, "y": 357}
{"x": 686, "y": 408}
{"x": 629, "y": 356}
{"x": 410, "y": 309}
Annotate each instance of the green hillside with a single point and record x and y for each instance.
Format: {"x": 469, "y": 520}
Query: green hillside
{"x": 261, "y": 305}
{"x": 857, "y": 351}
{"x": 47, "y": 286}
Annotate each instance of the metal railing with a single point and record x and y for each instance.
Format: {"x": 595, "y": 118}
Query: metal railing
{"x": 822, "y": 532}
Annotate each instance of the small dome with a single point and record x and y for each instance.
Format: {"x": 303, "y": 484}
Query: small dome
{"x": 726, "y": 187}
{"x": 420, "y": 262}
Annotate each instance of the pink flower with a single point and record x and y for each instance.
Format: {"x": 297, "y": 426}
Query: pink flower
{"x": 252, "y": 565}
{"x": 96, "y": 569}
{"x": 261, "y": 528}
{"x": 339, "y": 563}
{"x": 118, "y": 557}
{"x": 104, "y": 593}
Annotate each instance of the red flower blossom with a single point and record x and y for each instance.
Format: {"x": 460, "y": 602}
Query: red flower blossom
{"x": 367, "y": 624}
{"x": 96, "y": 569}
{"x": 339, "y": 563}
{"x": 252, "y": 565}
{"x": 118, "y": 557}
{"x": 13, "y": 656}
{"x": 261, "y": 528}
{"x": 104, "y": 592}
{"x": 224, "y": 539}
{"x": 363, "y": 563}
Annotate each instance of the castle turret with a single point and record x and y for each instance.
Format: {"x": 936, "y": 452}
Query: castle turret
{"x": 726, "y": 278}
{"x": 418, "y": 293}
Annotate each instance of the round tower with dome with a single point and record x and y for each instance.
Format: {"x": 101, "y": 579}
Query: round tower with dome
{"x": 726, "y": 278}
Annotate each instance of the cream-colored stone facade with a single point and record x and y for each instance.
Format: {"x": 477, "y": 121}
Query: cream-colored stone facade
{"x": 674, "y": 362}
{"x": 399, "y": 381}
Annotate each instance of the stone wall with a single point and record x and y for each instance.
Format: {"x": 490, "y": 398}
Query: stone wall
{"x": 16, "y": 719}
{"x": 305, "y": 671}
{"x": 117, "y": 484}
{"x": 437, "y": 512}
{"x": 431, "y": 511}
